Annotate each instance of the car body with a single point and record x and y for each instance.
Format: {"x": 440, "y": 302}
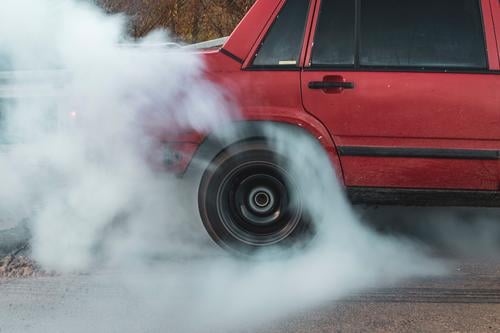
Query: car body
{"x": 402, "y": 96}
{"x": 422, "y": 127}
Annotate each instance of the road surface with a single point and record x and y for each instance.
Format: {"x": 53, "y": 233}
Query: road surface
{"x": 466, "y": 301}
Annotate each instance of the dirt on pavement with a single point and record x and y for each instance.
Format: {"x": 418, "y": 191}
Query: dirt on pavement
{"x": 19, "y": 267}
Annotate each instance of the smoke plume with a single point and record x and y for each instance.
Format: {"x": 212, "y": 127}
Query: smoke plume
{"x": 76, "y": 162}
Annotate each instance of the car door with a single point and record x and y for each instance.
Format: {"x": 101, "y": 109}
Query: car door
{"x": 408, "y": 92}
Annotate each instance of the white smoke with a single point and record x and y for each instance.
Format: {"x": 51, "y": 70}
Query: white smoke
{"x": 91, "y": 169}
{"x": 458, "y": 233}
{"x": 91, "y": 195}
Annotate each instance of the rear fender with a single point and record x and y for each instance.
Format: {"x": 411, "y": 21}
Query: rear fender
{"x": 256, "y": 128}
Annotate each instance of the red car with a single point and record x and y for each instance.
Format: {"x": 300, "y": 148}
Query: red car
{"x": 404, "y": 97}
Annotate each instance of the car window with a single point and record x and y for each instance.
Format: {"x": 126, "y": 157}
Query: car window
{"x": 283, "y": 43}
{"x": 400, "y": 33}
{"x": 335, "y": 33}
{"x": 423, "y": 33}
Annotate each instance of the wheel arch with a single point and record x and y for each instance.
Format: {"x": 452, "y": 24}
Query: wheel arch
{"x": 240, "y": 131}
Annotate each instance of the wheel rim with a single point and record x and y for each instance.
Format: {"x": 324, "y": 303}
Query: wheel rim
{"x": 257, "y": 203}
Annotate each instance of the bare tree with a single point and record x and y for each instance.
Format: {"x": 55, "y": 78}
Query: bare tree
{"x": 190, "y": 20}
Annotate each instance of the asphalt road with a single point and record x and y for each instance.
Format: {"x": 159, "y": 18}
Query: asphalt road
{"x": 466, "y": 301}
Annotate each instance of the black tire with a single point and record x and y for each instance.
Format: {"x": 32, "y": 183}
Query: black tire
{"x": 248, "y": 200}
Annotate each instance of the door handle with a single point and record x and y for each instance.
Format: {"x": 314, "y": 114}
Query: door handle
{"x": 330, "y": 85}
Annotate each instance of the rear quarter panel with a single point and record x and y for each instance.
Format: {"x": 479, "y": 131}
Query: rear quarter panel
{"x": 273, "y": 96}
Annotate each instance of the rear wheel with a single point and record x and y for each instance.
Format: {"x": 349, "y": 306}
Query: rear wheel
{"x": 248, "y": 200}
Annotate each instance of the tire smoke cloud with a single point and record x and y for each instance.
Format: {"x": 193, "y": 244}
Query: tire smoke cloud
{"x": 76, "y": 162}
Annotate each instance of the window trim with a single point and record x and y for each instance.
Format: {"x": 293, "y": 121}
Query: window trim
{"x": 250, "y": 62}
{"x": 403, "y": 70}
{"x": 371, "y": 68}
{"x": 356, "y": 33}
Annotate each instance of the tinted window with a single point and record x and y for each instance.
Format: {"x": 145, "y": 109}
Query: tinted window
{"x": 335, "y": 33}
{"x": 422, "y": 33}
{"x": 283, "y": 42}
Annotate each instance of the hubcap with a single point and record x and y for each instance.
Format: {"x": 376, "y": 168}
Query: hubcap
{"x": 261, "y": 200}
{"x": 254, "y": 203}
